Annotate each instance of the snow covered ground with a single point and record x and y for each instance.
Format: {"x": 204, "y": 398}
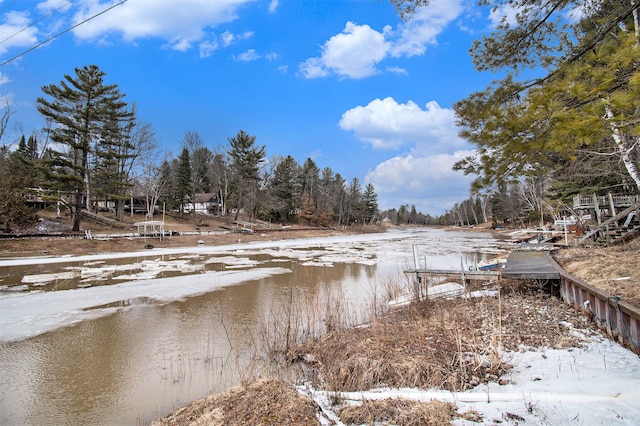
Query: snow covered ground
{"x": 595, "y": 385}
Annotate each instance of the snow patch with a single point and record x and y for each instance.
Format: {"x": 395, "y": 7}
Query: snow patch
{"x": 594, "y": 385}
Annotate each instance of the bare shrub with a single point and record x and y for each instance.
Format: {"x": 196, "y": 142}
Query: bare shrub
{"x": 281, "y": 327}
{"x": 300, "y": 318}
{"x": 382, "y": 291}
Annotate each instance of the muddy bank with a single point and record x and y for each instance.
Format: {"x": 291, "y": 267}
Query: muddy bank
{"x": 60, "y": 246}
{"x": 53, "y": 236}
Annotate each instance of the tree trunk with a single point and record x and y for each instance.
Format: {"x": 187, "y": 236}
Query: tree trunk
{"x": 624, "y": 147}
{"x": 120, "y": 209}
{"x": 483, "y": 206}
{"x": 76, "y": 212}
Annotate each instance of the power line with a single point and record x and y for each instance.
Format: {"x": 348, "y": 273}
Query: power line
{"x": 61, "y": 33}
{"x": 34, "y": 23}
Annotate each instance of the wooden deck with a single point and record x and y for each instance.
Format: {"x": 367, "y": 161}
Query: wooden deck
{"x": 530, "y": 265}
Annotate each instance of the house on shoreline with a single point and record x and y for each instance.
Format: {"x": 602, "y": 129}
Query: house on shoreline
{"x": 207, "y": 203}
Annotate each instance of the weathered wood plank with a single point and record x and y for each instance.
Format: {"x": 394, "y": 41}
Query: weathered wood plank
{"x": 530, "y": 265}
{"x": 455, "y": 273}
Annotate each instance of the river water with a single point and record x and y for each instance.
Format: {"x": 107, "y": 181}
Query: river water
{"x": 121, "y": 339}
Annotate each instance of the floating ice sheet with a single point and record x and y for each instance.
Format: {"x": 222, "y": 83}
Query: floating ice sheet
{"x": 29, "y": 314}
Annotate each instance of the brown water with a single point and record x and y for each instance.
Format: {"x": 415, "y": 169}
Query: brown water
{"x": 146, "y": 358}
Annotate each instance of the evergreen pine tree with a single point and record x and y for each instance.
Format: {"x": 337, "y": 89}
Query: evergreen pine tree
{"x": 182, "y": 188}
{"x": 246, "y": 158}
{"x": 370, "y": 203}
{"x": 78, "y": 106}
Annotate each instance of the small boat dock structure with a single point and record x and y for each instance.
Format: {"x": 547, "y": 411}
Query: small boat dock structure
{"x": 150, "y": 228}
{"x": 621, "y": 320}
{"x": 617, "y": 217}
{"x": 534, "y": 265}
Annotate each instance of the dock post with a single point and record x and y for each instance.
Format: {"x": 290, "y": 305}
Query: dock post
{"x": 416, "y": 258}
{"x": 597, "y": 209}
{"x": 417, "y": 285}
{"x": 464, "y": 281}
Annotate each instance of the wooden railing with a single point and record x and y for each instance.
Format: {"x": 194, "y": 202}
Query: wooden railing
{"x": 591, "y": 201}
{"x": 620, "y": 319}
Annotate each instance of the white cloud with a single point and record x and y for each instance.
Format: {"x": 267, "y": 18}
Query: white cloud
{"x": 249, "y": 55}
{"x": 315, "y": 154}
{"x": 504, "y": 13}
{"x": 49, "y": 5}
{"x": 354, "y": 53}
{"x": 576, "y": 13}
{"x": 313, "y": 68}
{"x": 227, "y": 38}
{"x": 422, "y": 175}
{"x": 273, "y": 6}
{"x": 6, "y": 100}
{"x": 357, "y": 51}
{"x": 397, "y": 70}
{"x": 387, "y": 124}
{"x": 4, "y": 79}
{"x": 180, "y": 22}
{"x": 271, "y": 56}
{"x": 207, "y": 48}
{"x": 424, "y": 27}
{"x": 13, "y": 31}
{"x": 181, "y": 45}
{"x": 428, "y": 182}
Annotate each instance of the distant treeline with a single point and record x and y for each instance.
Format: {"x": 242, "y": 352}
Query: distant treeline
{"x": 96, "y": 154}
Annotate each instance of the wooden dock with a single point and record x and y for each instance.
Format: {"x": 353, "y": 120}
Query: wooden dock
{"x": 530, "y": 265}
{"x": 521, "y": 265}
{"x": 620, "y": 319}
{"x": 456, "y": 273}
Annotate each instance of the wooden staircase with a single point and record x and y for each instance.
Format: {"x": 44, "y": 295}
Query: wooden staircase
{"x": 618, "y": 228}
{"x": 100, "y": 220}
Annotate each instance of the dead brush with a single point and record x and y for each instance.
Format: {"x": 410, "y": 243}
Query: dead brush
{"x": 439, "y": 345}
{"x": 382, "y": 291}
{"x": 450, "y": 344}
{"x": 264, "y": 401}
{"x": 301, "y": 317}
{"x": 400, "y": 412}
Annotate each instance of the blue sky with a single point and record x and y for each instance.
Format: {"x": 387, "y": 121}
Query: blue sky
{"x": 346, "y": 82}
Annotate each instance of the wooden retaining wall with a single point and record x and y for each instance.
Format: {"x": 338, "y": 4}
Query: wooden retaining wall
{"x": 620, "y": 319}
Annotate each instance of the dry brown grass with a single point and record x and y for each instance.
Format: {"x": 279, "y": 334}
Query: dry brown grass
{"x": 59, "y": 246}
{"x": 399, "y": 412}
{"x": 263, "y": 402}
{"x": 446, "y": 344}
{"x": 615, "y": 270}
